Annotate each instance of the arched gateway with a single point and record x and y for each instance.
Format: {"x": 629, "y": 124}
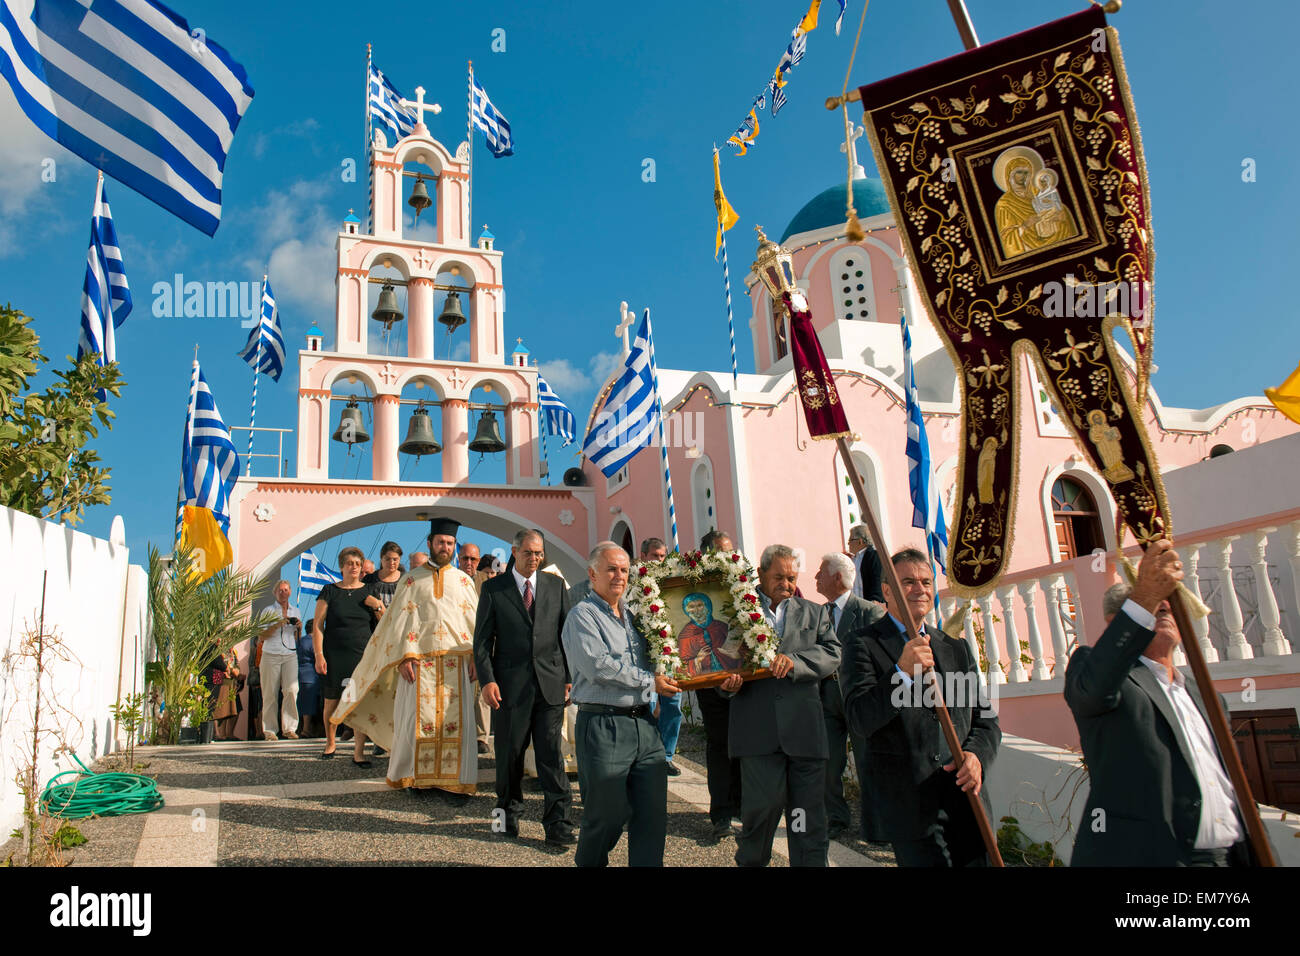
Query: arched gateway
{"x": 407, "y": 281}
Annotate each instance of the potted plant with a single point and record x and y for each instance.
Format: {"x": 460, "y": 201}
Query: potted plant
{"x": 194, "y": 621}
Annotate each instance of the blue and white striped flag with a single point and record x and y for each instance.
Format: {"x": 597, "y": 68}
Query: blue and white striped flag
{"x": 313, "y": 575}
{"x": 927, "y": 512}
{"x": 209, "y": 462}
{"x": 778, "y": 100}
{"x": 386, "y": 109}
{"x": 128, "y": 87}
{"x": 840, "y": 19}
{"x": 560, "y": 422}
{"x": 487, "y": 118}
{"x": 105, "y": 296}
{"x": 630, "y": 414}
{"x": 269, "y": 336}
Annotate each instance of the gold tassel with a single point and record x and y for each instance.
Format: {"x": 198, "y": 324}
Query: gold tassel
{"x": 852, "y": 228}
{"x": 955, "y": 626}
{"x": 1196, "y": 608}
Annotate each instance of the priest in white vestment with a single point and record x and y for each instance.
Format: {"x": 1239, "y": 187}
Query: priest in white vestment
{"x": 413, "y": 692}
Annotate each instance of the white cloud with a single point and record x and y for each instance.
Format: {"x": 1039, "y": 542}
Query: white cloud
{"x": 24, "y": 152}
{"x": 604, "y": 364}
{"x": 296, "y": 246}
{"x": 564, "y": 378}
{"x": 460, "y": 353}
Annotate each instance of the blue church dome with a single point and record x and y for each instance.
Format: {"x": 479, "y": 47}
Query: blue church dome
{"x": 827, "y": 208}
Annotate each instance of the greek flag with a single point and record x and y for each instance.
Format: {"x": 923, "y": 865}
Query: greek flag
{"x": 269, "y": 336}
{"x": 631, "y": 411}
{"x": 131, "y": 89}
{"x": 386, "y": 109}
{"x": 927, "y": 512}
{"x": 313, "y": 575}
{"x": 560, "y": 422}
{"x": 840, "y": 19}
{"x": 486, "y": 117}
{"x": 105, "y": 297}
{"x": 209, "y": 462}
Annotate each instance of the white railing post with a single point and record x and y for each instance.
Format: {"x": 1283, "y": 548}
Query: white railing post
{"x": 1293, "y": 558}
{"x": 1053, "y": 604}
{"x": 1238, "y": 649}
{"x": 968, "y": 631}
{"x": 1191, "y": 556}
{"x": 1028, "y": 593}
{"x": 991, "y": 643}
{"x": 1006, "y": 596}
{"x": 1275, "y": 642}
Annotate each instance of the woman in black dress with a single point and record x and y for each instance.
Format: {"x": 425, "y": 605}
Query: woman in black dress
{"x": 348, "y": 612}
{"x": 383, "y": 581}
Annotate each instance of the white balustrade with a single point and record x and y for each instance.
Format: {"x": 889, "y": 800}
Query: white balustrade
{"x": 1028, "y": 593}
{"x": 1293, "y": 558}
{"x": 1275, "y": 642}
{"x": 1016, "y": 669}
{"x": 991, "y": 642}
{"x": 1238, "y": 649}
{"x": 968, "y": 631}
{"x": 1191, "y": 556}
{"x": 1055, "y": 585}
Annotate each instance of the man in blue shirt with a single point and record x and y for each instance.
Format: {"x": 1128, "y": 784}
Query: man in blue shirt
{"x": 622, "y": 772}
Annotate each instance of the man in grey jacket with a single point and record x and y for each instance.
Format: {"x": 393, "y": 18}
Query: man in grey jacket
{"x": 776, "y": 727}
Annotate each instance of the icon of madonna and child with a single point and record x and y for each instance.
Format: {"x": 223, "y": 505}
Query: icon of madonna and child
{"x": 1030, "y": 214}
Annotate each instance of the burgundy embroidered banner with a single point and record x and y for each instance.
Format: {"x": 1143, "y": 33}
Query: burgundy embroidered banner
{"x": 1015, "y": 173}
{"x": 817, "y": 392}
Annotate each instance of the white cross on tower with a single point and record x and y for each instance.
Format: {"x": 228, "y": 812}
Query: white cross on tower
{"x": 455, "y": 378}
{"x": 850, "y": 146}
{"x": 420, "y": 106}
{"x": 422, "y": 258}
{"x": 626, "y": 318}
{"x": 388, "y": 375}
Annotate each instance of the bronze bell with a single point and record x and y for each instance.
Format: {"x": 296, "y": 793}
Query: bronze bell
{"x": 386, "y": 311}
{"x": 419, "y": 197}
{"x": 419, "y": 435}
{"x": 487, "y": 440}
{"x": 452, "y": 316}
{"x": 351, "y": 431}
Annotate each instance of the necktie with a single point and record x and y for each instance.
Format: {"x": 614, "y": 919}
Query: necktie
{"x": 835, "y": 615}
{"x": 528, "y": 597}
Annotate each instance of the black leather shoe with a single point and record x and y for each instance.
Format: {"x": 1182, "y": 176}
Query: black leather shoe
{"x": 482, "y": 747}
{"x": 512, "y": 829}
{"x": 721, "y": 829}
{"x": 674, "y": 770}
{"x": 561, "y": 837}
{"x": 835, "y": 832}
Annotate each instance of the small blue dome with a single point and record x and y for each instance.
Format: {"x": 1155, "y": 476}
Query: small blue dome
{"x": 314, "y": 330}
{"x": 485, "y": 234}
{"x": 827, "y": 208}
{"x": 351, "y": 218}
{"x": 519, "y": 348}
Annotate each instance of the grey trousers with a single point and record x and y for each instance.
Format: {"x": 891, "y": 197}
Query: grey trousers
{"x": 773, "y": 784}
{"x": 623, "y": 777}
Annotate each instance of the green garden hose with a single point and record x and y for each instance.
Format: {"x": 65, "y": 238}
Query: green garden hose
{"x": 99, "y": 794}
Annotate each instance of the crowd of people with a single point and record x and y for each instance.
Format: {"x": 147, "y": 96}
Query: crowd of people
{"x": 450, "y": 641}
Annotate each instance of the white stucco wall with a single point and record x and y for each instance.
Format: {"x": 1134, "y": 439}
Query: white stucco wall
{"x": 96, "y": 601}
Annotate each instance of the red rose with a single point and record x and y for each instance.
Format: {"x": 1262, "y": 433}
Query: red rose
{"x": 646, "y": 589}
{"x": 752, "y": 599}
{"x": 667, "y": 652}
{"x": 654, "y": 608}
{"x": 735, "y": 557}
{"x": 743, "y": 578}
{"x": 756, "y": 617}
{"x": 642, "y": 570}
{"x": 761, "y": 638}
{"x": 663, "y": 632}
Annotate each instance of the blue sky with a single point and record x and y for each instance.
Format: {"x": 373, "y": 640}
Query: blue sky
{"x": 592, "y": 91}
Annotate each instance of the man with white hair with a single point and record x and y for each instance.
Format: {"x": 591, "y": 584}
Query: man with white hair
{"x": 1159, "y": 795}
{"x": 622, "y": 772}
{"x": 775, "y": 726}
{"x": 849, "y": 614}
{"x": 868, "y": 571}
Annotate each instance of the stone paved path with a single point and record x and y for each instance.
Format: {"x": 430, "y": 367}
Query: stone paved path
{"x": 276, "y": 804}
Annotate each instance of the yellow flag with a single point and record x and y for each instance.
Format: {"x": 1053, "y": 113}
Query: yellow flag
{"x": 1286, "y": 397}
{"x": 809, "y": 22}
{"x": 201, "y": 534}
{"x": 727, "y": 217}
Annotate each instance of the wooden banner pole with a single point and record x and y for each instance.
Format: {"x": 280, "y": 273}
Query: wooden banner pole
{"x": 940, "y": 708}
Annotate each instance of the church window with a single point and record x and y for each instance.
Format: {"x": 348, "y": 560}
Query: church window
{"x": 850, "y": 264}
{"x": 1078, "y": 522}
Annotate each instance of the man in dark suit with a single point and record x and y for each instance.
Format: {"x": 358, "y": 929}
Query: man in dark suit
{"x": 849, "y": 615}
{"x": 525, "y": 679}
{"x": 866, "y": 565}
{"x": 722, "y": 770}
{"x": 776, "y": 726}
{"x": 924, "y": 809}
{"x": 1159, "y": 794}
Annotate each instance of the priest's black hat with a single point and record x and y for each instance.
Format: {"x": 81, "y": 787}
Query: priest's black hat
{"x": 444, "y": 526}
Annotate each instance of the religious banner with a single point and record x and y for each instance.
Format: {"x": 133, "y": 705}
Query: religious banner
{"x": 1016, "y": 176}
